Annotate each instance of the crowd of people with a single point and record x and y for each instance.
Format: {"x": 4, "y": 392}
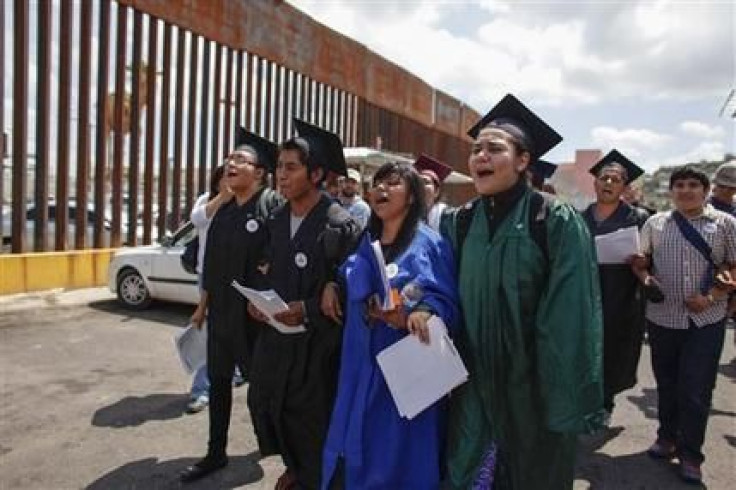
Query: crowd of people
{"x": 548, "y": 334}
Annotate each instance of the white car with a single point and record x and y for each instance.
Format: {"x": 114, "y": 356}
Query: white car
{"x": 139, "y": 275}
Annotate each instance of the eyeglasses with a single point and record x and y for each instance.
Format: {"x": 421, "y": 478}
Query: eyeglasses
{"x": 240, "y": 158}
{"x": 609, "y": 179}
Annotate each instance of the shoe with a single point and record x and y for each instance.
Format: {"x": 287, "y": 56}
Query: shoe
{"x": 202, "y": 468}
{"x": 662, "y": 449}
{"x": 690, "y": 472}
{"x": 198, "y": 404}
{"x": 653, "y": 290}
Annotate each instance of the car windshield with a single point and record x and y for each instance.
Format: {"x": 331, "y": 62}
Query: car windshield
{"x": 184, "y": 235}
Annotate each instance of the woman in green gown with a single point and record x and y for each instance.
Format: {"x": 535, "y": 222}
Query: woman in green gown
{"x": 532, "y": 336}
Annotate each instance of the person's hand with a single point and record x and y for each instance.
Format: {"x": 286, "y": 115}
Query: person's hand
{"x": 256, "y": 314}
{"x": 697, "y": 303}
{"x": 395, "y": 317}
{"x": 197, "y": 318}
{"x": 639, "y": 261}
{"x": 725, "y": 281}
{"x": 330, "y": 303}
{"x": 416, "y": 324}
{"x": 224, "y": 190}
{"x": 292, "y": 317}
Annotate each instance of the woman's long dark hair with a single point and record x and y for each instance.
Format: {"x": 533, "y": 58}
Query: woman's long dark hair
{"x": 415, "y": 214}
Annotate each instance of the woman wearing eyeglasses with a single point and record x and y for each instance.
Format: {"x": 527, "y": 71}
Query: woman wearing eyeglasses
{"x": 369, "y": 445}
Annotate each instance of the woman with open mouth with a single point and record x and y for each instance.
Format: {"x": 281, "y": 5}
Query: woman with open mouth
{"x": 369, "y": 445}
{"x": 530, "y": 298}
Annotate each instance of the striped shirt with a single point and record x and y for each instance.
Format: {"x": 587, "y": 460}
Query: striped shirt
{"x": 680, "y": 268}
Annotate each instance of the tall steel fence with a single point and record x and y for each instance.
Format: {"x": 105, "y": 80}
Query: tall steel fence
{"x": 113, "y": 120}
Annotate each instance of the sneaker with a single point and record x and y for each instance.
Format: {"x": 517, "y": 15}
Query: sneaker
{"x": 662, "y": 449}
{"x": 198, "y": 404}
{"x": 690, "y": 472}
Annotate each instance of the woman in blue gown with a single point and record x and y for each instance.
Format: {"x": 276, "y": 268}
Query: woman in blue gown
{"x": 369, "y": 445}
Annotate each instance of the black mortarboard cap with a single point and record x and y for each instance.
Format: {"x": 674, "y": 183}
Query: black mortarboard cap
{"x": 428, "y": 164}
{"x": 268, "y": 152}
{"x": 543, "y": 168}
{"x": 514, "y": 117}
{"x": 325, "y": 147}
{"x": 633, "y": 171}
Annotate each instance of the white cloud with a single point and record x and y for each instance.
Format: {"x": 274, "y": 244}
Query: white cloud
{"x": 706, "y": 151}
{"x": 630, "y": 141}
{"x": 702, "y": 130}
{"x": 555, "y": 51}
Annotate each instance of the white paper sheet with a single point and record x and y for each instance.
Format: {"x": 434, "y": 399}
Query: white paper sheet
{"x": 417, "y": 374}
{"x": 191, "y": 344}
{"x": 388, "y": 302}
{"x": 618, "y": 246}
{"x": 269, "y": 303}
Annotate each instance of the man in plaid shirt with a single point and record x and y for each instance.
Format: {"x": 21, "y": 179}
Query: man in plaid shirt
{"x": 686, "y": 330}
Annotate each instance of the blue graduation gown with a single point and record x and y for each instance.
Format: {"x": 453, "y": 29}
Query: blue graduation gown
{"x": 380, "y": 449}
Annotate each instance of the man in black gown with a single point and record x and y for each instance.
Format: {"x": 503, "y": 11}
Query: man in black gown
{"x": 294, "y": 375}
{"x": 623, "y": 302}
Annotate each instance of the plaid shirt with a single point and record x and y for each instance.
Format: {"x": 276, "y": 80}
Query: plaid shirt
{"x": 680, "y": 268}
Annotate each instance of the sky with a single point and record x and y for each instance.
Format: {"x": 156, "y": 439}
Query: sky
{"x": 648, "y": 78}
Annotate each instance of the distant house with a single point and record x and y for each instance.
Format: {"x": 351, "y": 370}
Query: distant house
{"x": 573, "y": 182}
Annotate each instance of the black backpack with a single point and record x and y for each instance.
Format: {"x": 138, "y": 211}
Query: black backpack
{"x": 539, "y": 209}
{"x": 189, "y": 256}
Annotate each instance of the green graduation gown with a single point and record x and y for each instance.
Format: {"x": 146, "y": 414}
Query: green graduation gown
{"x": 532, "y": 342}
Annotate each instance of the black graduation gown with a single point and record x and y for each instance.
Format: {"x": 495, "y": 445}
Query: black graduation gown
{"x": 294, "y": 376}
{"x": 235, "y": 240}
{"x": 623, "y": 305}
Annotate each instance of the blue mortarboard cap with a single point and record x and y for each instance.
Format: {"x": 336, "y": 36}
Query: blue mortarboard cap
{"x": 543, "y": 168}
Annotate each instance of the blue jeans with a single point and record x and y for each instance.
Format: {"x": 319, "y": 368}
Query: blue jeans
{"x": 200, "y": 384}
{"x": 685, "y": 365}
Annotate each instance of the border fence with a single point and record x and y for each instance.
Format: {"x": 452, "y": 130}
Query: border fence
{"x": 114, "y": 113}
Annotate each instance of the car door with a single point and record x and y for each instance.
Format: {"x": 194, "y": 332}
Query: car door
{"x": 168, "y": 277}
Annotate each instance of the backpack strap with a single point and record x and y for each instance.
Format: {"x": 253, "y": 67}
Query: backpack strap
{"x": 539, "y": 206}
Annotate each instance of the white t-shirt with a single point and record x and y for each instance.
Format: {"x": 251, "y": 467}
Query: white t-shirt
{"x": 202, "y": 223}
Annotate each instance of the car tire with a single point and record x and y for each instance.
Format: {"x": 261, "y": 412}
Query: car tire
{"x": 132, "y": 290}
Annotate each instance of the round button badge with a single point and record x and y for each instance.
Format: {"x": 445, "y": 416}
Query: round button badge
{"x": 392, "y": 270}
{"x": 251, "y": 225}
{"x": 300, "y": 260}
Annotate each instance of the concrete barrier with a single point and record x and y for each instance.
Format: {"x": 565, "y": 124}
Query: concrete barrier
{"x": 24, "y": 273}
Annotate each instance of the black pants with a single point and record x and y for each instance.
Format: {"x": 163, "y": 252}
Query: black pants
{"x": 221, "y": 401}
{"x": 685, "y": 365}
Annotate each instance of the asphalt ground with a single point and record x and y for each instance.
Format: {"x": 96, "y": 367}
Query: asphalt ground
{"x": 93, "y": 396}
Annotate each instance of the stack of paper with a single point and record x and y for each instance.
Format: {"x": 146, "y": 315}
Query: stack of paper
{"x": 191, "y": 344}
{"x": 618, "y": 246}
{"x": 269, "y": 303}
{"x": 418, "y": 374}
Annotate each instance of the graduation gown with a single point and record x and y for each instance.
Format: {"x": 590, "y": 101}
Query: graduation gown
{"x": 380, "y": 449}
{"x": 623, "y": 305}
{"x": 235, "y": 240}
{"x": 532, "y": 344}
{"x": 294, "y": 376}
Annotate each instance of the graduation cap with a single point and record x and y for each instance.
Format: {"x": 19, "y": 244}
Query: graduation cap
{"x": 515, "y": 118}
{"x": 543, "y": 169}
{"x": 633, "y": 171}
{"x": 325, "y": 147}
{"x": 268, "y": 152}
{"x": 435, "y": 169}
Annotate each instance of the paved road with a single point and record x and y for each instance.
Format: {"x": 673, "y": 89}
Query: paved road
{"x": 92, "y": 397}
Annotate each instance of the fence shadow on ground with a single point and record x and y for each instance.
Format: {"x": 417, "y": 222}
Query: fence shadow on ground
{"x": 164, "y": 475}
{"x": 136, "y": 410}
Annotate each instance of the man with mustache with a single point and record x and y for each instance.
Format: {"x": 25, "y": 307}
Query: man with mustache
{"x": 623, "y": 303}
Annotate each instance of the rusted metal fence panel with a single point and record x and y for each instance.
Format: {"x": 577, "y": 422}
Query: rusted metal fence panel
{"x": 188, "y": 84}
